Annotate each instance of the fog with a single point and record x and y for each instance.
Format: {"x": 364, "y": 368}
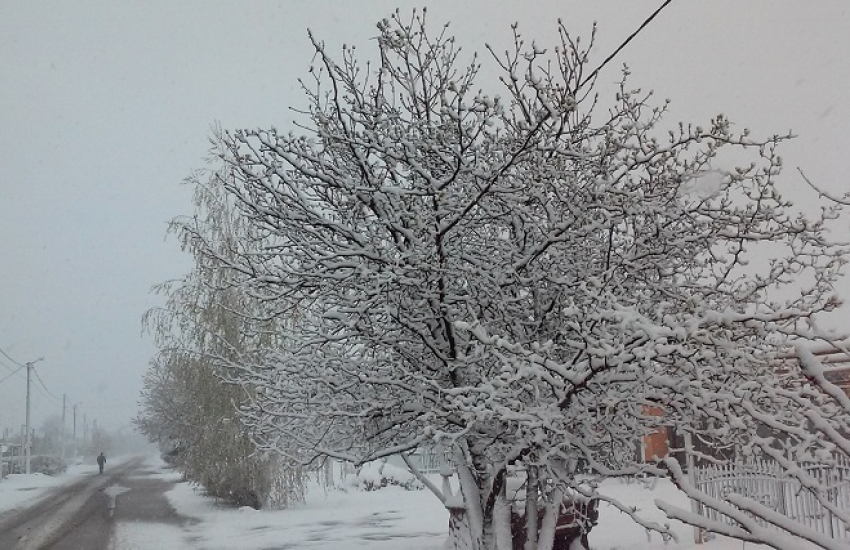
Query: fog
{"x": 105, "y": 107}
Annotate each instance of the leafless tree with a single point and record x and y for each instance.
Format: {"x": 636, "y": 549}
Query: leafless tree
{"x": 520, "y": 276}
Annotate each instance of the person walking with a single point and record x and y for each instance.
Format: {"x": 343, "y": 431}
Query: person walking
{"x": 101, "y": 461}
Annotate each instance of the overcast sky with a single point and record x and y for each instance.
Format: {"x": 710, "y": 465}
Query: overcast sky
{"x": 105, "y": 106}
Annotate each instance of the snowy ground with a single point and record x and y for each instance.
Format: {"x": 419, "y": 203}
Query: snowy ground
{"x": 22, "y": 490}
{"x": 388, "y": 519}
{"x": 391, "y": 519}
{"x": 616, "y": 531}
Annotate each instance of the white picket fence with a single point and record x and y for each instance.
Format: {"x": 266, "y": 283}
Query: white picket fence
{"x": 767, "y": 483}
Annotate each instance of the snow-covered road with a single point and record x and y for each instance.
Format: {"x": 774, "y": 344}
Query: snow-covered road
{"x": 81, "y": 510}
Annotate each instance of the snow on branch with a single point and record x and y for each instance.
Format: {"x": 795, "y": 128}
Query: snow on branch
{"x": 514, "y": 274}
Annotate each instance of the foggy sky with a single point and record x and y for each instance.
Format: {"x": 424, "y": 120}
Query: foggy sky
{"x": 106, "y": 106}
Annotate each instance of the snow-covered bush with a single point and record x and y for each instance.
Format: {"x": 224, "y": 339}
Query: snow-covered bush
{"x": 378, "y": 474}
{"x": 47, "y": 465}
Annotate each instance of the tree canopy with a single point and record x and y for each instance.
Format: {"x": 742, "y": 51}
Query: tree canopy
{"x": 520, "y": 275}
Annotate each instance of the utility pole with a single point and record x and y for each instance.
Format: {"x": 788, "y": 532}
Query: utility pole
{"x": 22, "y": 456}
{"x": 75, "y": 430}
{"x": 27, "y": 429}
{"x": 62, "y": 452}
{"x": 28, "y": 433}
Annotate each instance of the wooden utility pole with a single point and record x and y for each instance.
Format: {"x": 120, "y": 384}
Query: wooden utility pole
{"x": 62, "y": 452}
{"x": 27, "y": 441}
{"x": 75, "y": 430}
{"x": 28, "y": 435}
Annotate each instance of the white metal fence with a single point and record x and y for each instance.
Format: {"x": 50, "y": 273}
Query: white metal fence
{"x": 767, "y": 483}
{"x": 430, "y": 459}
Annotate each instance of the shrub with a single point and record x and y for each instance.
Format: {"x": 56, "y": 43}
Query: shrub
{"x": 377, "y": 475}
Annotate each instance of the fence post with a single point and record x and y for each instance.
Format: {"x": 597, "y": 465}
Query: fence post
{"x": 692, "y": 479}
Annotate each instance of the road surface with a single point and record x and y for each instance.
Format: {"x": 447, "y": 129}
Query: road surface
{"x": 82, "y": 516}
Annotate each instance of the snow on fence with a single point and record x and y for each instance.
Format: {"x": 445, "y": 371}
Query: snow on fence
{"x": 427, "y": 459}
{"x": 430, "y": 459}
{"x": 767, "y": 483}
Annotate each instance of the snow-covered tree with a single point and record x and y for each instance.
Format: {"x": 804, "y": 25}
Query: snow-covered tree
{"x": 518, "y": 275}
{"x": 50, "y": 441}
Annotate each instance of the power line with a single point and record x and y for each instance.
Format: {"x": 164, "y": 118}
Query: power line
{"x": 625, "y": 42}
{"x": 52, "y": 398}
{"x": 10, "y": 359}
{"x": 10, "y": 369}
{"x": 16, "y": 371}
{"x": 38, "y": 376}
{"x": 10, "y": 375}
{"x": 13, "y": 372}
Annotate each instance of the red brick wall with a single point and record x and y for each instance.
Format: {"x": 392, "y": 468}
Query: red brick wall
{"x": 655, "y": 444}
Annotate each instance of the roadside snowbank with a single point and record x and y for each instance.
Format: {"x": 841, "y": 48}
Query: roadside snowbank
{"x": 21, "y": 490}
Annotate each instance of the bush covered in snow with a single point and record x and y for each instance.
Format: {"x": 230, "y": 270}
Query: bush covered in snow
{"x": 377, "y": 475}
{"x": 47, "y": 465}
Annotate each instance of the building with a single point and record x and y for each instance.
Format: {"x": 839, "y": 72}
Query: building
{"x": 836, "y": 366}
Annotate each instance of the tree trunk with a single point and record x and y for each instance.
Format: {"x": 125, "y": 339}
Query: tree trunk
{"x": 546, "y": 536}
{"x": 502, "y": 521}
{"x": 460, "y": 534}
{"x": 466, "y": 524}
{"x": 531, "y": 486}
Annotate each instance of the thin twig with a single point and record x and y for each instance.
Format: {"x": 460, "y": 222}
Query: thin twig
{"x": 844, "y": 200}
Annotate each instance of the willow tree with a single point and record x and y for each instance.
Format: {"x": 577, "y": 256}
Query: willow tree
{"x": 188, "y": 404}
{"x": 518, "y": 275}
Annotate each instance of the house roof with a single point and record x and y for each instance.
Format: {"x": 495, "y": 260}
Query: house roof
{"x": 840, "y": 376}
{"x": 835, "y": 361}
